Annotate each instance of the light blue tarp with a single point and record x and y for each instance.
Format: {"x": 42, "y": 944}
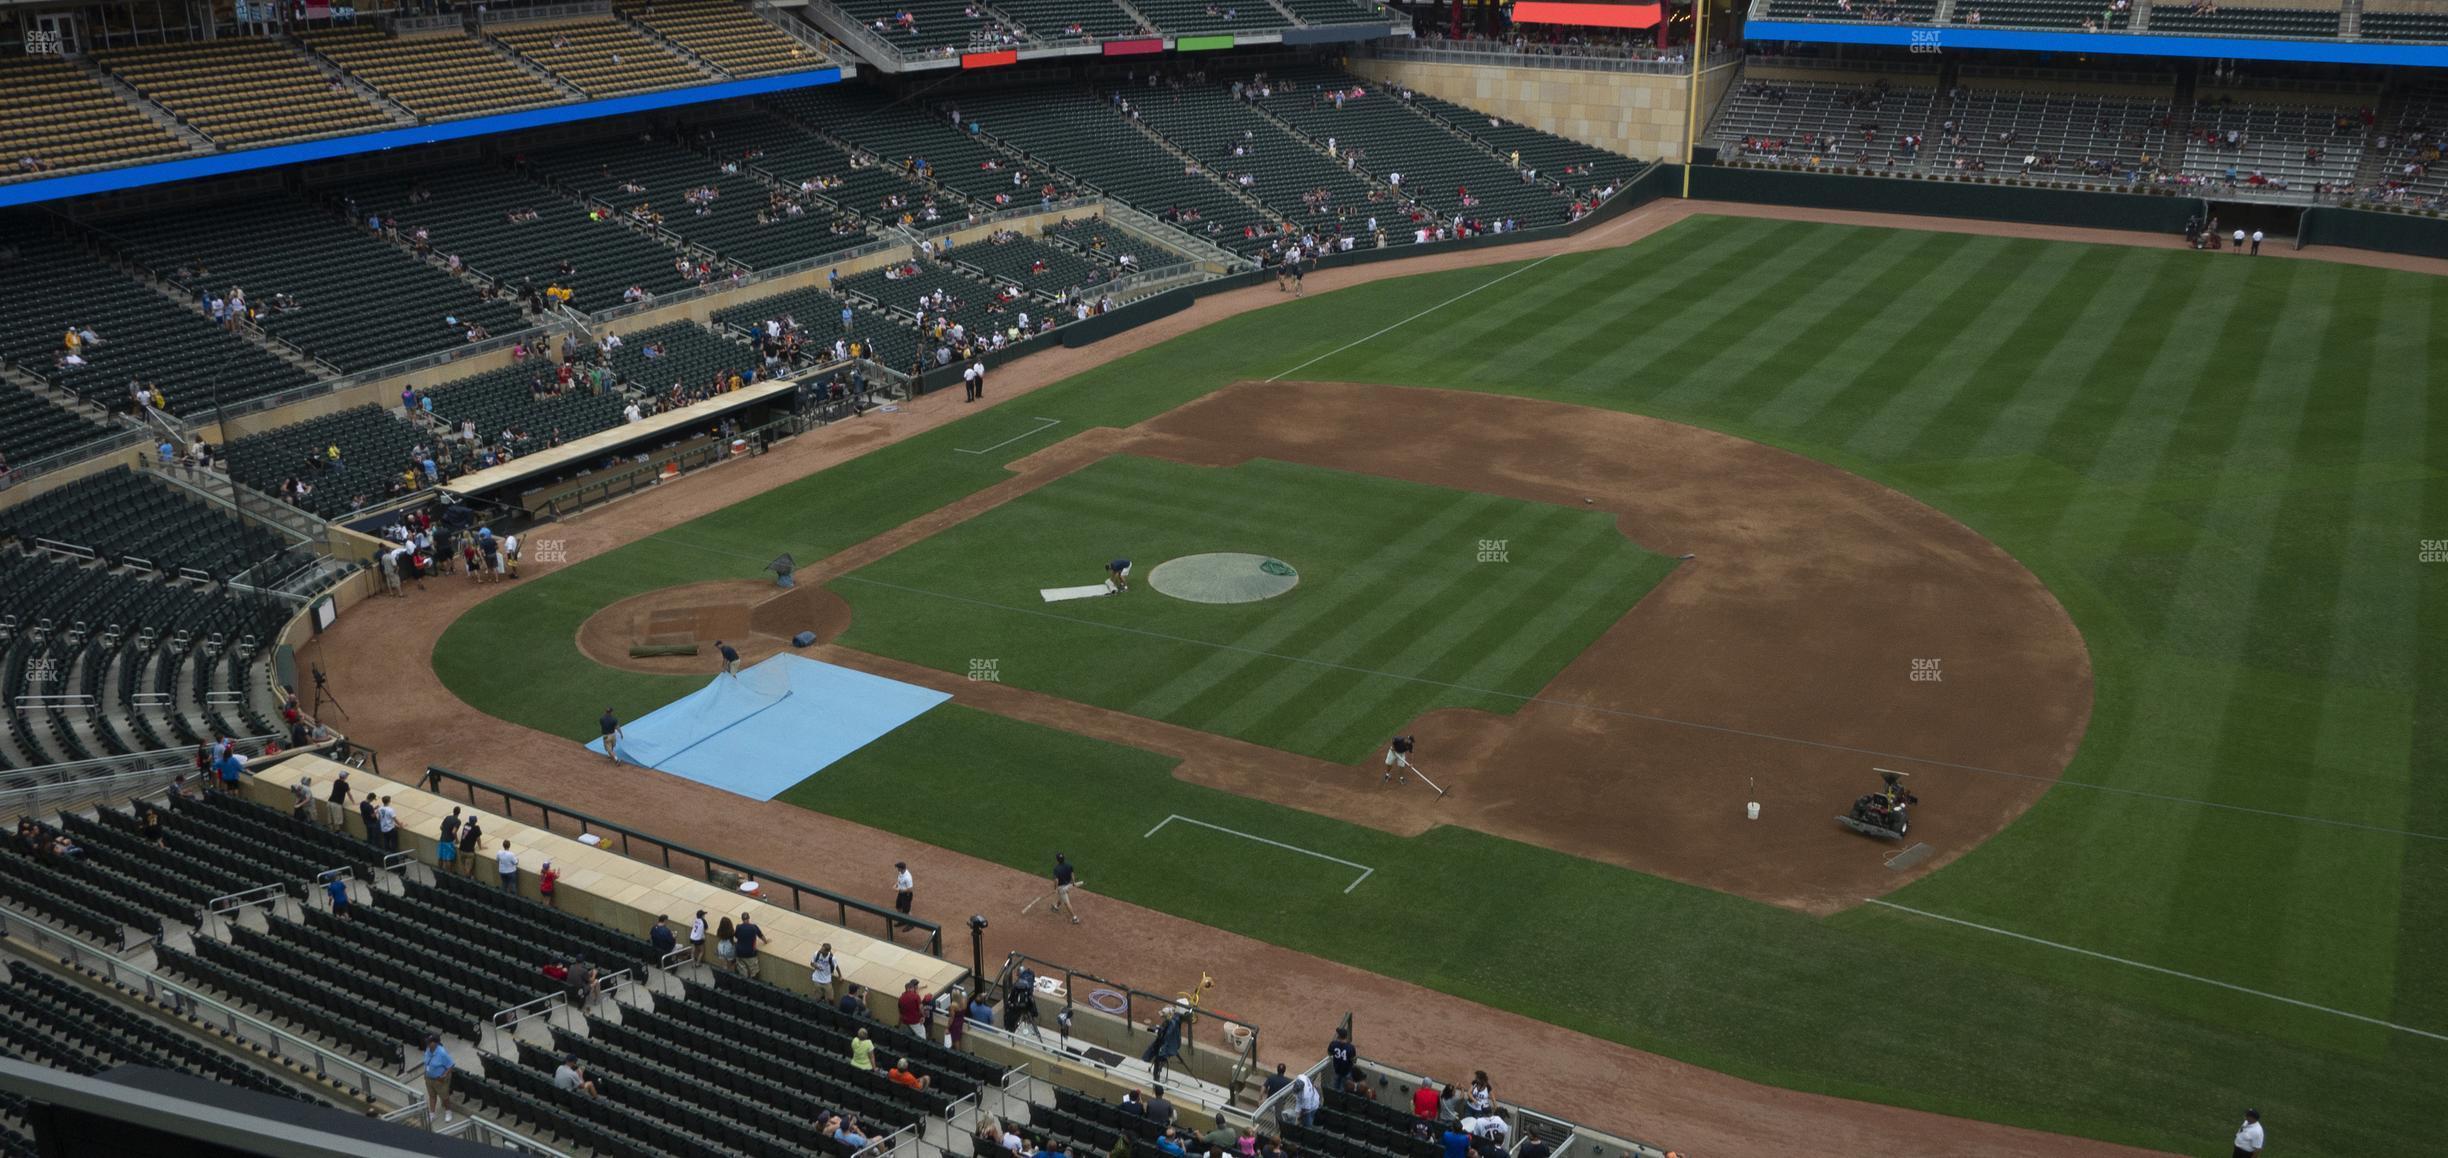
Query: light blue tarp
{"x": 771, "y": 726}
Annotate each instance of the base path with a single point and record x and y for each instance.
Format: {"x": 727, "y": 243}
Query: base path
{"x": 378, "y": 654}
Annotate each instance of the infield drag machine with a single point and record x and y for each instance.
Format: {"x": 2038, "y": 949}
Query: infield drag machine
{"x": 1886, "y": 813}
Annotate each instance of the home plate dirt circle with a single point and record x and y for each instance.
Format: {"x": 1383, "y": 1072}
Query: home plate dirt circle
{"x": 1223, "y": 577}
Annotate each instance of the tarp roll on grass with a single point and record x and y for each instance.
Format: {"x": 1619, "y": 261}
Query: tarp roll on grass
{"x": 1059, "y": 594}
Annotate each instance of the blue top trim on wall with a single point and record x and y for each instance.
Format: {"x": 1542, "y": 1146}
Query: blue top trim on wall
{"x": 1937, "y": 39}
{"x": 274, "y": 156}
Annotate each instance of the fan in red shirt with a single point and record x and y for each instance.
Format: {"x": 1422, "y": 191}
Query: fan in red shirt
{"x": 913, "y": 1008}
{"x": 1425, "y": 1103}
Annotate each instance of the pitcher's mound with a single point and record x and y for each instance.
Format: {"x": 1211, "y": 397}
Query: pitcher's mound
{"x": 1223, "y": 577}
{"x": 673, "y": 630}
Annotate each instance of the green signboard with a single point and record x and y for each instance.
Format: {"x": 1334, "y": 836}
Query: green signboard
{"x": 1202, "y": 43}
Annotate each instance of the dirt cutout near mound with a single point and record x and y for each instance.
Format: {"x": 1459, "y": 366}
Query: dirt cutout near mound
{"x": 754, "y": 616}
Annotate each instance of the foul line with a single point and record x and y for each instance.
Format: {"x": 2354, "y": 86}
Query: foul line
{"x": 1046, "y": 423}
{"x": 1624, "y": 713}
{"x": 1364, "y": 869}
{"x": 1415, "y": 317}
{"x": 2160, "y": 969}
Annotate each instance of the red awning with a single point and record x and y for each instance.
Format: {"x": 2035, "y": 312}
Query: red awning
{"x": 1134, "y": 47}
{"x": 1599, "y": 15}
{"x": 990, "y": 59}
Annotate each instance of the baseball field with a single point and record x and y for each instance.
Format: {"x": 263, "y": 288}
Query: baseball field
{"x": 2121, "y": 551}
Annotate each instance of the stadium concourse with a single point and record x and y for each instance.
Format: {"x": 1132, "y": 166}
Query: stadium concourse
{"x": 1296, "y": 996}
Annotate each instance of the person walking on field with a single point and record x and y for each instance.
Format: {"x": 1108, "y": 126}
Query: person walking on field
{"x": 611, "y": 735}
{"x": 2249, "y": 1138}
{"x": 1064, "y": 878}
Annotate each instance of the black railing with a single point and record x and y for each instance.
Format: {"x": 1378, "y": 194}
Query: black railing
{"x": 678, "y": 857}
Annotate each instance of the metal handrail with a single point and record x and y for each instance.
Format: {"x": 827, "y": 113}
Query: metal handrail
{"x": 1014, "y": 213}
{"x": 246, "y": 898}
{"x": 629, "y": 838}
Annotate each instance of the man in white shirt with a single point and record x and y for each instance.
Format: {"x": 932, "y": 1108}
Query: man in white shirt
{"x": 905, "y": 891}
{"x": 506, "y": 863}
{"x": 386, "y": 820}
{"x": 2249, "y": 1139}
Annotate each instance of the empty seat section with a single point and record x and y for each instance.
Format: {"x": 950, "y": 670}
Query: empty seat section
{"x": 53, "y": 283}
{"x": 242, "y": 91}
{"x": 436, "y": 77}
{"x": 54, "y": 117}
{"x": 725, "y": 35}
{"x": 514, "y": 231}
{"x": 359, "y": 301}
{"x": 600, "y": 57}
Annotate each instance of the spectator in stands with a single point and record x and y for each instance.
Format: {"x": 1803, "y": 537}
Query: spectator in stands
{"x": 661, "y": 938}
{"x": 335, "y": 805}
{"x": 1159, "y": 1110}
{"x": 854, "y": 1001}
{"x": 1169, "y": 1145}
{"x": 1425, "y": 1103}
{"x": 1305, "y": 1093}
{"x": 1457, "y": 1144}
{"x": 438, "y": 1069}
{"x": 726, "y": 946}
{"x": 506, "y": 864}
{"x": 301, "y": 794}
{"x": 337, "y": 889}
{"x": 913, "y": 1008}
{"x": 1222, "y": 1139}
{"x": 386, "y": 818}
{"x": 825, "y": 973}
{"x": 980, "y": 1011}
{"x": 471, "y": 845}
{"x": 572, "y": 1076}
{"x": 1276, "y": 1081}
{"x": 556, "y": 971}
{"x": 365, "y": 814}
{"x": 1481, "y": 1100}
{"x": 958, "y": 1025}
{"x": 748, "y": 936}
{"x": 697, "y": 936}
{"x": 901, "y": 1074}
{"x": 149, "y": 826}
{"x": 586, "y": 983}
{"x": 862, "y": 1051}
{"x": 846, "y": 1132}
{"x": 545, "y": 881}
{"x": 446, "y": 850}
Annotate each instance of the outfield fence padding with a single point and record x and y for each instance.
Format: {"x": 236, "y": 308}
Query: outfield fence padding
{"x": 2406, "y": 233}
{"x": 2028, "y": 204}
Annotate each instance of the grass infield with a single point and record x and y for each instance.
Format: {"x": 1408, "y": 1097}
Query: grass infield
{"x": 1391, "y": 581}
{"x": 2225, "y": 468}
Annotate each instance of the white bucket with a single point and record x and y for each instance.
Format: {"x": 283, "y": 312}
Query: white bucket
{"x": 1753, "y": 809}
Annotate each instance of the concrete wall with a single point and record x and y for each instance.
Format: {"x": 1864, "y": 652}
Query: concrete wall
{"x": 1638, "y": 114}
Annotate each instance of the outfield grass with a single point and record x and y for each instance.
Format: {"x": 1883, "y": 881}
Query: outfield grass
{"x": 2224, "y": 468}
{"x": 1390, "y": 581}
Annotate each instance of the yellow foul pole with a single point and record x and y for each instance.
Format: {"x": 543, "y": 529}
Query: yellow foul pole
{"x": 1691, "y": 111}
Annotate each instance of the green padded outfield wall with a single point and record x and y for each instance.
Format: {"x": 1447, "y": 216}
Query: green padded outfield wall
{"x": 2366, "y": 229}
{"x": 2076, "y": 207}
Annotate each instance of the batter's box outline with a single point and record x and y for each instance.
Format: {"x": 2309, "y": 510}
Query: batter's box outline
{"x": 1365, "y": 871}
{"x": 1044, "y": 424}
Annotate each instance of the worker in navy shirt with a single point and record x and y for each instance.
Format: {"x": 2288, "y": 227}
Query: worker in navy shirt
{"x": 1340, "y": 1051}
{"x": 661, "y": 935}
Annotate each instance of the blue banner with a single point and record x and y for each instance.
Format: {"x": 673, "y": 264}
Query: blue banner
{"x": 1924, "y": 38}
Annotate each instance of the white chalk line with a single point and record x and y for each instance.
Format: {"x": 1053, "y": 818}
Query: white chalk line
{"x": 2160, "y": 969}
{"x": 1365, "y": 870}
{"x": 1415, "y": 317}
{"x": 1043, "y": 425}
